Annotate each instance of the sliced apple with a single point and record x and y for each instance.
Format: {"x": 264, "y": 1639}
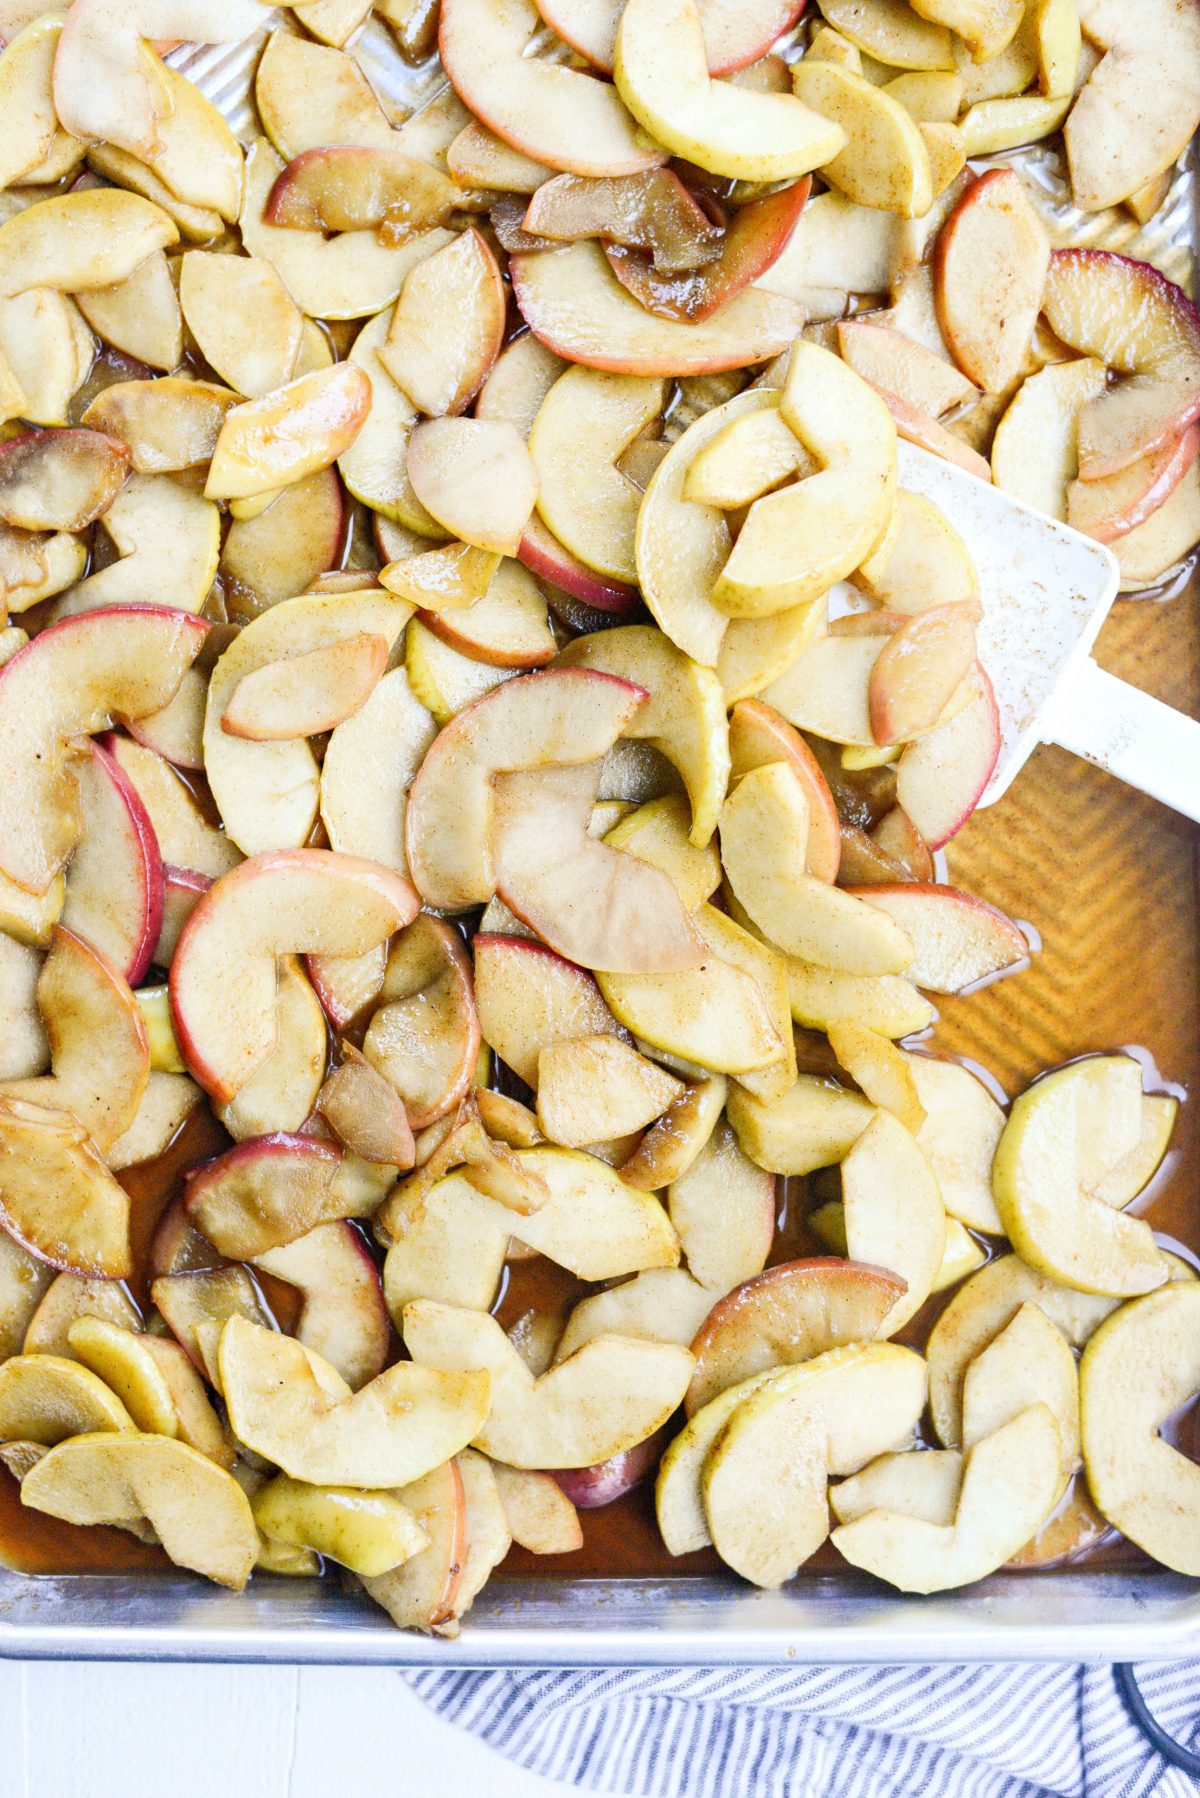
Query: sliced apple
{"x": 168, "y": 424}
{"x": 286, "y": 549}
{"x": 219, "y": 296}
{"x": 424, "y": 1037}
{"x": 68, "y": 1298}
{"x": 45, "y": 1399}
{"x": 958, "y": 1137}
{"x": 881, "y": 1071}
{"x": 60, "y": 480}
{"x": 118, "y": 1359}
{"x": 343, "y": 1318}
{"x": 421, "y": 1593}
{"x": 114, "y": 886}
{"x": 890, "y": 360}
{"x": 366, "y": 1113}
{"x": 893, "y": 1212}
{"x": 755, "y": 238}
{"x": 548, "y": 111}
{"x": 653, "y": 212}
{"x": 281, "y": 902}
{"x": 528, "y": 997}
{"x": 57, "y": 1197}
{"x": 1148, "y": 553}
{"x": 1029, "y": 1362}
{"x": 184, "y": 837}
{"x": 595, "y": 1087}
{"x": 612, "y": 1394}
{"x": 892, "y": 33}
{"x": 723, "y": 1207}
{"x": 990, "y": 273}
{"x": 1035, "y": 452}
{"x": 585, "y": 421}
{"x": 540, "y": 1515}
{"x": 941, "y": 777}
{"x": 520, "y": 379}
{"x": 166, "y": 1104}
{"x": 197, "y": 1303}
{"x": 916, "y": 1485}
{"x": 375, "y": 467}
{"x": 958, "y": 939}
{"x": 883, "y": 161}
{"x": 272, "y": 442}
{"x": 308, "y": 96}
{"x": 307, "y": 693}
{"x": 369, "y": 1532}
{"x": 26, "y": 72}
{"x": 476, "y": 478}
{"x": 813, "y": 1125}
{"x": 478, "y": 158}
{"x": 369, "y": 765}
{"x": 361, "y": 187}
{"x": 88, "y": 238}
{"x": 270, "y": 1190}
{"x": 442, "y": 371}
{"x": 919, "y": 670}
{"x": 734, "y": 36}
{"x": 1052, "y": 1220}
{"x": 23, "y": 1283}
{"x": 573, "y": 303}
{"x": 1137, "y": 109}
{"x": 1140, "y": 1481}
{"x": 1111, "y": 507}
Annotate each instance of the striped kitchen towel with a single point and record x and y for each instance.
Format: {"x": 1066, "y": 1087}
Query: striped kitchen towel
{"x": 986, "y": 1731}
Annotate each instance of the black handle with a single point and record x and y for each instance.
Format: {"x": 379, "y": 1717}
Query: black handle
{"x": 1171, "y": 1750}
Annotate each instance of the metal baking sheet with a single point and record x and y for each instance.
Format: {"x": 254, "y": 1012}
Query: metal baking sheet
{"x": 1073, "y": 1614}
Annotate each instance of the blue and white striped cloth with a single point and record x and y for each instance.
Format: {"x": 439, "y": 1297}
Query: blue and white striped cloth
{"x": 987, "y": 1731}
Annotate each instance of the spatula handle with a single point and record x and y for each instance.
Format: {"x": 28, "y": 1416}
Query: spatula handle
{"x": 1134, "y": 736}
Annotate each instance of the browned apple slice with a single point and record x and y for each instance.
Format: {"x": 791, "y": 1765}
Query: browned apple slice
{"x": 404, "y": 1422}
{"x": 550, "y": 112}
{"x": 990, "y": 269}
{"x": 366, "y": 1113}
{"x": 653, "y": 211}
{"x": 422, "y": 1593}
{"x": 788, "y": 1314}
{"x": 569, "y": 715}
{"x": 71, "y": 680}
{"x": 943, "y": 775}
{"x": 60, "y": 480}
{"x": 114, "y": 888}
{"x": 308, "y": 96}
{"x": 197, "y": 1302}
{"x": 573, "y": 303}
{"x": 270, "y": 1190}
{"x": 284, "y": 551}
{"x": 756, "y": 237}
{"x": 476, "y": 478}
{"x": 169, "y": 1099}
{"x": 57, "y": 1198}
{"x": 343, "y": 1317}
{"x": 447, "y": 326}
{"x": 958, "y": 938}
{"x": 308, "y": 693}
{"x": 70, "y": 1297}
{"x": 358, "y": 187}
{"x": 220, "y": 296}
{"x": 424, "y": 1037}
{"x": 528, "y": 997}
{"x": 591, "y": 903}
{"x": 223, "y": 974}
{"x": 168, "y": 424}
{"x": 87, "y": 238}
{"x": 1144, "y": 328}
{"x": 275, "y": 441}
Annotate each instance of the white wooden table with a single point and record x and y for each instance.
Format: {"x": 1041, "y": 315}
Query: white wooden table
{"x": 100, "y": 1730}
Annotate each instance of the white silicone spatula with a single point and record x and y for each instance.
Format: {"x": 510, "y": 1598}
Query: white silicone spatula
{"x": 1046, "y": 590}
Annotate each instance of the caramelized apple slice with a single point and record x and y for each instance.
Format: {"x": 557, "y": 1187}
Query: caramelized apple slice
{"x": 529, "y": 997}
{"x": 275, "y": 441}
{"x": 756, "y": 237}
{"x": 357, "y": 187}
{"x": 441, "y": 365}
{"x": 57, "y": 1198}
{"x": 220, "y": 296}
{"x": 270, "y": 1190}
{"x": 60, "y": 480}
{"x": 168, "y": 424}
{"x": 424, "y": 1036}
{"x": 653, "y": 212}
{"x": 75, "y": 241}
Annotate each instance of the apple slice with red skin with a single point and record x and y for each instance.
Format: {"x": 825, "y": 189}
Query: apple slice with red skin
{"x": 918, "y": 671}
{"x": 185, "y": 837}
{"x": 590, "y": 1488}
{"x": 223, "y": 974}
{"x": 281, "y": 552}
{"x": 1115, "y": 504}
{"x": 60, "y": 480}
{"x": 941, "y": 778}
{"x": 177, "y": 1247}
{"x": 758, "y": 735}
{"x": 424, "y": 1035}
{"x": 71, "y": 681}
{"x": 558, "y": 716}
{"x": 543, "y": 554}
{"x": 114, "y": 886}
{"x": 788, "y": 1314}
{"x": 915, "y": 426}
{"x": 591, "y": 903}
{"x": 343, "y": 1318}
{"x": 754, "y": 240}
{"x": 990, "y": 266}
{"x": 266, "y": 1192}
{"x": 1129, "y": 316}
{"x": 653, "y": 212}
{"x": 736, "y": 32}
{"x": 183, "y": 889}
{"x": 359, "y": 187}
{"x": 528, "y": 997}
{"x": 507, "y": 626}
{"x": 573, "y": 303}
{"x": 548, "y": 111}
{"x": 99, "y": 1052}
{"x": 306, "y": 694}
{"x": 347, "y": 984}
{"x": 447, "y": 326}
{"x": 959, "y": 939}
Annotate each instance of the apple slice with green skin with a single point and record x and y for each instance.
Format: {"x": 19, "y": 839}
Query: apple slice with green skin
{"x": 475, "y": 478}
{"x": 683, "y": 718}
{"x": 273, "y": 442}
{"x": 540, "y": 1515}
{"x": 266, "y": 1192}
{"x": 584, "y": 423}
{"x": 268, "y": 793}
{"x": 528, "y": 997}
{"x": 592, "y": 1088}
{"x": 756, "y": 237}
{"x": 758, "y": 736}
{"x": 990, "y": 270}
{"x": 959, "y": 939}
{"x": 1029, "y": 1362}
{"x": 167, "y": 536}
{"x": 117, "y": 1358}
{"x": 1109, "y": 508}
{"x": 60, "y": 480}
{"x": 1051, "y": 1220}
{"x": 1035, "y": 452}
{"x": 813, "y": 1125}
{"x": 573, "y": 303}
{"x": 1137, "y": 109}
{"x": 1011, "y": 1482}
{"x": 343, "y": 1317}
{"x": 791, "y": 1313}
{"x": 368, "y": 1532}
{"x": 359, "y": 187}
{"x": 653, "y": 211}
{"x": 958, "y": 1137}
{"x": 734, "y": 35}
{"x": 69, "y": 681}
{"x": 421, "y": 1594}
{"x": 197, "y": 1511}
{"x": 723, "y": 1207}
{"x": 295, "y": 1409}
{"x": 216, "y": 292}
{"x": 662, "y": 74}
{"x": 941, "y": 777}
{"x": 301, "y": 900}
{"x": 611, "y": 1395}
{"x": 307, "y": 693}
{"x": 1130, "y": 317}
{"x": 892, "y": 1384}
{"x": 442, "y": 368}
{"x": 837, "y": 417}
{"x": 167, "y": 424}
{"x": 549, "y": 112}
{"x": 919, "y": 670}
{"x": 44, "y": 1398}
{"x": 114, "y": 886}
{"x": 1137, "y": 1371}
{"x": 883, "y": 161}
{"x": 58, "y": 1199}
{"x": 893, "y": 1212}
{"x": 424, "y": 1036}
{"x": 369, "y": 765}
{"x": 92, "y": 237}
{"x": 1123, "y": 1179}
{"x": 560, "y": 716}
{"x": 185, "y": 839}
